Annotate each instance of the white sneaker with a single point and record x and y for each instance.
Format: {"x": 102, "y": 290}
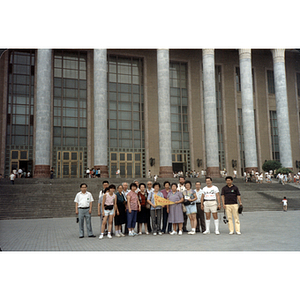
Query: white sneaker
{"x": 238, "y": 232}
{"x": 101, "y": 237}
{"x": 154, "y": 233}
{"x": 217, "y": 232}
{"x": 109, "y": 236}
{"x": 159, "y": 233}
{"x": 121, "y": 234}
{"x": 130, "y": 234}
{"x": 231, "y": 232}
{"x": 134, "y": 233}
{"x": 192, "y": 232}
{"x": 180, "y": 232}
{"x": 173, "y": 232}
{"x": 140, "y": 233}
{"x": 206, "y": 232}
{"x": 118, "y": 235}
{"x": 147, "y": 232}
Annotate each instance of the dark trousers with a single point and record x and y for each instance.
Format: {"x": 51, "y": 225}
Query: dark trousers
{"x": 185, "y": 217}
{"x": 165, "y": 221}
{"x": 200, "y": 218}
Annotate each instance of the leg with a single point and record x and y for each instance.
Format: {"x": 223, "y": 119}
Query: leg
{"x": 104, "y": 220}
{"x": 165, "y": 219}
{"x": 110, "y": 223}
{"x": 88, "y": 220}
{"x": 159, "y": 213}
{"x": 81, "y": 222}
{"x": 202, "y": 220}
{"x": 229, "y": 211}
{"x": 185, "y": 221}
{"x": 153, "y": 218}
{"x": 235, "y": 213}
{"x": 180, "y": 225}
{"x": 198, "y": 205}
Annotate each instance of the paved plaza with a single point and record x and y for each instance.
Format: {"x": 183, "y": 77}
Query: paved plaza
{"x": 261, "y": 231}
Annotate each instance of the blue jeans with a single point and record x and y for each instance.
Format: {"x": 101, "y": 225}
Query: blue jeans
{"x": 131, "y": 218}
{"x": 84, "y": 213}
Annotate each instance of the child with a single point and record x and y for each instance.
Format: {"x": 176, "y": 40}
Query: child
{"x": 284, "y": 203}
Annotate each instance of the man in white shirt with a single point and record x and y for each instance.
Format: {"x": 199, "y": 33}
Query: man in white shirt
{"x": 210, "y": 202}
{"x": 83, "y": 208}
{"x": 118, "y": 173}
{"x": 200, "y": 212}
{"x": 181, "y": 188}
{"x": 12, "y": 177}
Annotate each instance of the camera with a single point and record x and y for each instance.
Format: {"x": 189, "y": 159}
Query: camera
{"x": 225, "y": 219}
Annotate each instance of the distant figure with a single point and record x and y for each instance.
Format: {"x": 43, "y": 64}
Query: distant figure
{"x": 118, "y": 173}
{"x": 51, "y": 173}
{"x": 149, "y": 174}
{"x": 12, "y": 177}
{"x": 284, "y": 204}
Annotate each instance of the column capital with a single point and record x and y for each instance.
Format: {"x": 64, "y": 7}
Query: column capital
{"x": 210, "y": 51}
{"x": 278, "y": 55}
{"x": 245, "y": 53}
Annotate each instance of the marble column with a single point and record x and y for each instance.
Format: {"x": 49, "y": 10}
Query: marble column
{"x": 43, "y": 114}
{"x": 285, "y": 149}
{"x": 210, "y": 114}
{"x": 100, "y": 111}
{"x": 248, "y": 110}
{"x": 164, "y": 118}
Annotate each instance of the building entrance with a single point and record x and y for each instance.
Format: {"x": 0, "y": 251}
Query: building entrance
{"x": 69, "y": 164}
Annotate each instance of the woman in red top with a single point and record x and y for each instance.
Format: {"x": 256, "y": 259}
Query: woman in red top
{"x": 134, "y": 206}
{"x": 144, "y": 215}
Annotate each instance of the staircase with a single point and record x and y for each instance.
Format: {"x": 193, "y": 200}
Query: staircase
{"x": 32, "y": 198}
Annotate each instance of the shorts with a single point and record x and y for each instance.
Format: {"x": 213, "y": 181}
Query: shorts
{"x": 109, "y": 212}
{"x": 210, "y": 206}
{"x": 191, "y": 209}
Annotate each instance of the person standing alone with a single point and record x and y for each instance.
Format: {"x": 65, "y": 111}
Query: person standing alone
{"x": 83, "y": 208}
{"x": 230, "y": 197}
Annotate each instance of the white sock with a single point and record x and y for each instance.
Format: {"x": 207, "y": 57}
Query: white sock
{"x": 216, "y": 225}
{"x": 193, "y": 229}
{"x": 207, "y": 223}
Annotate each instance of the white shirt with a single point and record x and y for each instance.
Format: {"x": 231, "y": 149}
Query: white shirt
{"x": 284, "y": 201}
{"x": 180, "y": 187}
{"x": 210, "y": 193}
{"x": 199, "y": 194}
{"x": 84, "y": 200}
{"x": 12, "y": 177}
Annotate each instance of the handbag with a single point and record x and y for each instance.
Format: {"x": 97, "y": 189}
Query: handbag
{"x": 240, "y": 210}
{"x": 108, "y": 207}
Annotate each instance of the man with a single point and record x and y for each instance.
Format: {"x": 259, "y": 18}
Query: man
{"x": 149, "y": 189}
{"x": 200, "y": 212}
{"x": 105, "y": 184}
{"x": 20, "y": 172}
{"x": 12, "y": 177}
{"x": 83, "y": 208}
{"x": 118, "y": 173}
{"x": 210, "y": 202}
{"x": 181, "y": 188}
{"x": 137, "y": 184}
{"x": 230, "y": 197}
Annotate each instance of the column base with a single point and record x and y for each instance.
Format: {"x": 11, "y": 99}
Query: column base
{"x": 103, "y": 171}
{"x": 213, "y": 172}
{"x": 249, "y": 170}
{"x": 165, "y": 172}
{"x": 41, "y": 171}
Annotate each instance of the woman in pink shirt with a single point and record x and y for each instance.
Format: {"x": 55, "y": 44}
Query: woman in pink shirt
{"x": 133, "y": 205}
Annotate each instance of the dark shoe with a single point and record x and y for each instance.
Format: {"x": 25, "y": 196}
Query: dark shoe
{"x": 197, "y": 230}
{"x": 92, "y": 236}
{"x": 81, "y": 237}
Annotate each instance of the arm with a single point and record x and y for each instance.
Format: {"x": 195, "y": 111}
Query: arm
{"x": 128, "y": 204}
{"x": 90, "y": 210}
{"x": 223, "y": 201}
{"x": 103, "y": 201}
{"x": 99, "y": 211}
{"x": 202, "y": 199}
{"x": 218, "y": 199}
{"x": 239, "y": 199}
{"x": 76, "y": 208}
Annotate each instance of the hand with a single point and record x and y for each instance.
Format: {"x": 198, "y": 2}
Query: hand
{"x": 219, "y": 205}
{"x": 154, "y": 205}
{"x": 90, "y": 211}
{"x": 224, "y": 206}
{"x": 168, "y": 210}
{"x": 118, "y": 213}
{"x": 202, "y": 206}
{"x": 76, "y": 212}
{"x": 140, "y": 208}
{"x": 129, "y": 210}
{"x": 99, "y": 213}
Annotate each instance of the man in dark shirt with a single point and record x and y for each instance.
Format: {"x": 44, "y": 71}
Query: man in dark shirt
{"x": 230, "y": 197}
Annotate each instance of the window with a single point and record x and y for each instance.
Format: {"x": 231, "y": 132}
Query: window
{"x": 271, "y": 85}
{"x": 70, "y": 110}
{"x": 274, "y": 135}
{"x": 179, "y": 106}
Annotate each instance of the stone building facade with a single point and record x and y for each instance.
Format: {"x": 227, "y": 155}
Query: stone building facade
{"x": 137, "y": 110}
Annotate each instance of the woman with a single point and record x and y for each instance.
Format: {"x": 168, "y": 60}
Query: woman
{"x": 109, "y": 206}
{"x": 191, "y": 208}
{"x": 165, "y": 192}
{"x": 155, "y": 211}
{"x": 120, "y": 217}
{"x": 144, "y": 215}
{"x": 133, "y": 206}
{"x": 175, "y": 210}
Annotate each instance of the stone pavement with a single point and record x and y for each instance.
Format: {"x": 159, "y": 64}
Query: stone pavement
{"x": 261, "y": 231}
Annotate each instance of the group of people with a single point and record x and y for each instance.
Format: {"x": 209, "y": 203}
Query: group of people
{"x": 92, "y": 173}
{"x": 134, "y": 206}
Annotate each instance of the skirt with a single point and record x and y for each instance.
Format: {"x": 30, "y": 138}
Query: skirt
{"x": 175, "y": 214}
{"x": 121, "y": 218}
{"x": 143, "y": 215}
